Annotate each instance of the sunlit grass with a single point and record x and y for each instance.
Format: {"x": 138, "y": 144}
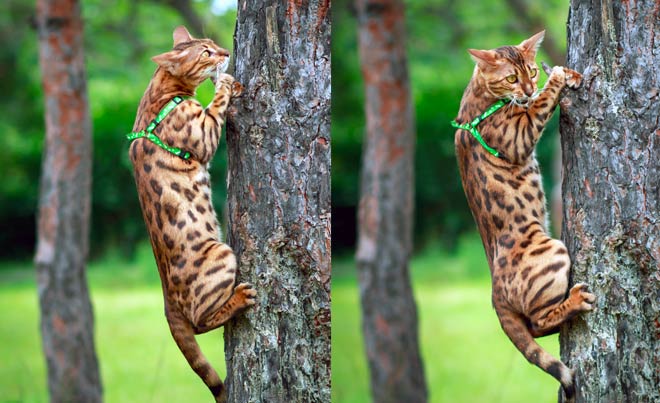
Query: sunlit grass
{"x": 467, "y": 357}
{"x": 139, "y": 360}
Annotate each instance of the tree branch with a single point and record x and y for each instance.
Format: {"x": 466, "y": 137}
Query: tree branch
{"x": 534, "y": 23}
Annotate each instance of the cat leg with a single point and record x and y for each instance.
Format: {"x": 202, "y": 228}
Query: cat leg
{"x": 536, "y": 115}
{"x": 559, "y": 78}
{"x": 579, "y": 300}
{"x": 544, "y": 300}
{"x": 184, "y": 336}
{"x": 515, "y": 327}
{"x": 205, "y": 130}
{"x": 243, "y": 297}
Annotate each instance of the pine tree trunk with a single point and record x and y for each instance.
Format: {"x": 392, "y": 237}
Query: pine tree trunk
{"x": 67, "y": 324}
{"x": 279, "y": 202}
{"x": 611, "y": 144}
{"x": 385, "y": 216}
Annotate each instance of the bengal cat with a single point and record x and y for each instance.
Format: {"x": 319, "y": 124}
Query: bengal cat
{"x": 197, "y": 269}
{"x": 529, "y": 269}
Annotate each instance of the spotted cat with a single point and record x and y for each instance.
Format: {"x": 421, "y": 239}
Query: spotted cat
{"x": 502, "y": 184}
{"x": 170, "y": 166}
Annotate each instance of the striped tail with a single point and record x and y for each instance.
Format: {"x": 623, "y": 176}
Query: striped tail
{"x": 515, "y": 326}
{"x": 184, "y": 336}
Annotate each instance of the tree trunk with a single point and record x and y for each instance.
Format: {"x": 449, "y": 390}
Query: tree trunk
{"x": 611, "y": 144}
{"x": 385, "y": 216}
{"x": 193, "y": 21}
{"x": 278, "y": 141}
{"x": 67, "y": 323}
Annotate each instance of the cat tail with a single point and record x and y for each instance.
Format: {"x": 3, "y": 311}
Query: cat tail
{"x": 515, "y": 326}
{"x": 184, "y": 336}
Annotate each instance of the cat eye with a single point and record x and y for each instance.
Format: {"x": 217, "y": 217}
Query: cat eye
{"x": 512, "y": 78}
{"x": 206, "y": 53}
{"x": 533, "y": 72}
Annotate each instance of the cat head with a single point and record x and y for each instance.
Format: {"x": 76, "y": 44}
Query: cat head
{"x": 510, "y": 72}
{"x": 193, "y": 60}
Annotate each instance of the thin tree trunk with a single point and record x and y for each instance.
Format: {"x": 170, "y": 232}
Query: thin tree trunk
{"x": 192, "y": 19}
{"x": 385, "y": 216}
{"x": 279, "y": 203}
{"x": 611, "y": 144}
{"x": 67, "y": 324}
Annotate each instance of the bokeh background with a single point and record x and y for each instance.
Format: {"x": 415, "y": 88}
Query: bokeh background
{"x": 138, "y": 359}
{"x": 466, "y": 356}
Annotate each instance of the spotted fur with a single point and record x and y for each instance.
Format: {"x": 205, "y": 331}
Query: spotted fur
{"x": 529, "y": 269}
{"x": 197, "y": 269}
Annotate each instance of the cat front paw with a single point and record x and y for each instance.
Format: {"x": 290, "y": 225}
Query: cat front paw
{"x": 573, "y": 78}
{"x": 222, "y": 80}
{"x": 236, "y": 89}
{"x": 558, "y": 71}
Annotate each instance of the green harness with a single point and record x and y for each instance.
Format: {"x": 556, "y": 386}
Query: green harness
{"x": 148, "y": 132}
{"x": 472, "y": 126}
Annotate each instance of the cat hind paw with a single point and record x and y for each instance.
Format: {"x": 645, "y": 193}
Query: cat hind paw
{"x": 584, "y": 299}
{"x": 247, "y": 293}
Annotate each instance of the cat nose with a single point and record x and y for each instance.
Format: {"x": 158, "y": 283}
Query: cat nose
{"x": 223, "y": 52}
{"x": 528, "y": 89}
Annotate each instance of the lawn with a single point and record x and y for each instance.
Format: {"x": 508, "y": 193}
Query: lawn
{"x": 138, "y": 358}
{"x": 466, "y": 356}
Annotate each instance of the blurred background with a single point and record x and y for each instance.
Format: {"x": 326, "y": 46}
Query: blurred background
{"x": 467, "y": 357}
{"x": 138, "y": 360}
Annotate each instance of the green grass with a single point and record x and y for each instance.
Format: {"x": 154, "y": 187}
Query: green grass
{"x": 138, "y": 358}
{"x": 467, "y": 357}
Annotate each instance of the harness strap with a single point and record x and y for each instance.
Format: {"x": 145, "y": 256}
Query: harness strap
{"x": 148, "y": 132}
{"x": 472, "y": 126}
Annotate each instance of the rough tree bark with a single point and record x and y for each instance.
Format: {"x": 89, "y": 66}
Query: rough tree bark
{"x": 385, "y": 212}
{"x": 67, "y": 323}
{"x": 279, "y": 202}
{"x": 611, "y": 144}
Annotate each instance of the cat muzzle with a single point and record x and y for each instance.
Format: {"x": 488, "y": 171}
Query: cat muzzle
{"x": 219, "y": 69}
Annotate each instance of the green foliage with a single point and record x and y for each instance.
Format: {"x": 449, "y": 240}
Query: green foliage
{"x": 467, "y": 358}
{"x": 439, "y": 32}
{"x": 120, "y": 38}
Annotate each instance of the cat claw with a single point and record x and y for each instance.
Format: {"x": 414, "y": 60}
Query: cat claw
{"x": 580, "y": 287}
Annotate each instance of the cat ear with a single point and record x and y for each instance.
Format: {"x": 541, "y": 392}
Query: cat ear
{"x": 531, "y": 45}
{"x": 181, "y": 35}
{"x": 170, "y": 61}
{"x": 484, "y": 58}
